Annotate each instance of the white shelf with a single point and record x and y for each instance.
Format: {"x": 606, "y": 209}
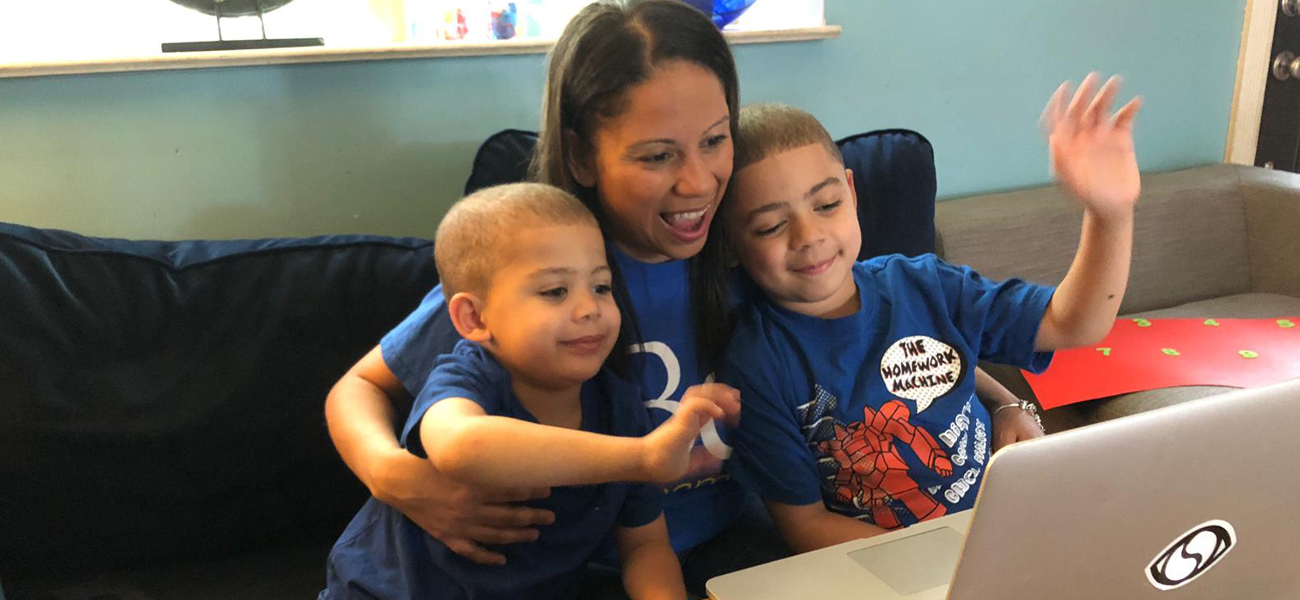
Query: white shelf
{"x": 281, "y": 56}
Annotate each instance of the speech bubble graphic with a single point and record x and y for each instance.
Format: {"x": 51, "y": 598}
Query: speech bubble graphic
{"x": 921, "y": 368}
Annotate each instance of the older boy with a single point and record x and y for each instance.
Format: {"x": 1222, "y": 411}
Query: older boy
{"x": 525, "y": 401}
{"x": 860, "y": 414}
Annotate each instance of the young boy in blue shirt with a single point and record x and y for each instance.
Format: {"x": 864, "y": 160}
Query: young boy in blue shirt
{"x": 860, "y": 414}
{"x": 526, "y": 400}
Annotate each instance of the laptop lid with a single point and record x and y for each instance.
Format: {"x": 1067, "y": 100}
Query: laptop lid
{"x": 1197, "y": 498}
{"x": 1200, "y": 498}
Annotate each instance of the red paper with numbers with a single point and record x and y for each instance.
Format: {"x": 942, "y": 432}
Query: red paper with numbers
{"x": 1141, "y": 354}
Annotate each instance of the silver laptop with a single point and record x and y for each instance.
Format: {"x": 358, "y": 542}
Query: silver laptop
{"x": 1191, "y": 502}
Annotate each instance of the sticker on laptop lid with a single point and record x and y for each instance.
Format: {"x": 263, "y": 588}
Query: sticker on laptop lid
{"x": 1191, "y": 555}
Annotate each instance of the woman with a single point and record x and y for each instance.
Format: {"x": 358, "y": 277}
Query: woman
{"x": 638, "y": 117}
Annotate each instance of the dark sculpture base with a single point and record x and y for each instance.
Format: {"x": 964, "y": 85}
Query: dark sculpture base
{"x": 241, "y": 44}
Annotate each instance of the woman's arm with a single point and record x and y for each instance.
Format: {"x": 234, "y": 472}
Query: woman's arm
{"x": 650, "y": 568}
{"x": 360, "y": 414}
{"x": 812, "y": 527}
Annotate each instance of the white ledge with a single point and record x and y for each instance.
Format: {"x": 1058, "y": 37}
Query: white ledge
{"x": 282, "y": 56}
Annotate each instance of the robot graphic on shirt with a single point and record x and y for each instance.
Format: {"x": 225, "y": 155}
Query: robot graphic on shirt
{"x": 869, "y": 472}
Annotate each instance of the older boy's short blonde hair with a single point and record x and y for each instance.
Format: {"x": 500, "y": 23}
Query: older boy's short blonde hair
{"x": 767, "y": 129}
{"x": 470, "y": 242}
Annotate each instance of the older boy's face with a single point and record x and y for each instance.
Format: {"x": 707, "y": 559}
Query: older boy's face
{"x": 550, "y": 309}
{"x": 794, "y": 225}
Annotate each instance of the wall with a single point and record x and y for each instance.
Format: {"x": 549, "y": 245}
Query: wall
{"x": 384, "y": 147}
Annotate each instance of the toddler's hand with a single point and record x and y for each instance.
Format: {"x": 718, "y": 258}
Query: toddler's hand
{"x": 668, "y": 447}
{"x": 1092, "y": 151}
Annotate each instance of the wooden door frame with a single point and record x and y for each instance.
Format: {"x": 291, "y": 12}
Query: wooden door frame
{"x": 1252, "y": 76}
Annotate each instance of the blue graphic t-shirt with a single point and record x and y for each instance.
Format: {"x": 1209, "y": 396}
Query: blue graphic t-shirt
{"x": 382, "y": 554}
{"x": 706, "y": 500}
{"x": 875, "y": 414}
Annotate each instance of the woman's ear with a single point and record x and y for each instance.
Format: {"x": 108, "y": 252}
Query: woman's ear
{"x": 466, "y": 312}
{"x": 579, "y": 159}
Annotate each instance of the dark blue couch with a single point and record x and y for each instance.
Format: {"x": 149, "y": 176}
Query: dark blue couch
{"x": 161, "y": 403}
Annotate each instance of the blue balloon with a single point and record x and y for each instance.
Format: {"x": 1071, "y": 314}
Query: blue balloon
{"x": 726, "y": 11}
{"x": 723, "y": 12}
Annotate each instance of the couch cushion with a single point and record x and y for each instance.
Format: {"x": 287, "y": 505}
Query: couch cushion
{"x": 273, "y": 573}
{"x": 1189, "y": 240}
{"x": 893, "y": 173}
{"x": 163, "y": 400}
{"x": 1238, "y": 306}
{"x": 502, "y": 158}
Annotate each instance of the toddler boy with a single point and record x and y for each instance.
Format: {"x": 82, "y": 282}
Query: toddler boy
{"x": 525, "y": 400}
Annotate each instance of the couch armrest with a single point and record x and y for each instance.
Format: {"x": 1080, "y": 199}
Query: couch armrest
{"x": 1272, "y": 222}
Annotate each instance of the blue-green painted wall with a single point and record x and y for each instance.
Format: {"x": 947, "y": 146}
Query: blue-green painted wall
{"x": 384, "y": 147}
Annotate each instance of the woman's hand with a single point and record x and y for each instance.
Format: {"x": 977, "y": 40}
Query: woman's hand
{"x": 465, "y": 518}
{"x": 1013, "y": 425}
{"x": 1091, "y": 150}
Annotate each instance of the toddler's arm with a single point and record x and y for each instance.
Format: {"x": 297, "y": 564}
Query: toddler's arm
{"x": 1093, "y": 158}
{"x": 469, "y": 445}
{"x": 360, "y": 412}
{"x": 650, "y": 568}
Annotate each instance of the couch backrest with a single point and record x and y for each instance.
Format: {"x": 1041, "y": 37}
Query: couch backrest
{"x": 893, "y": 171}
{"x": 1189, "y": 243}
{"x": 164, "y": 400}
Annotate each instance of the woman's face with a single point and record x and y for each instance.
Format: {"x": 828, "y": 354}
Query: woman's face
{"x": 661, "y": 166}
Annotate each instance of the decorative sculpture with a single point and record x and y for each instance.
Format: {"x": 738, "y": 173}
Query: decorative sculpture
{"x": 237, "y": 8}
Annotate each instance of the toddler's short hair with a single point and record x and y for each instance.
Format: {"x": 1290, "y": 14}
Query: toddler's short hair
{"x": 467, "y": 247}
{"x": 767, "y": 129}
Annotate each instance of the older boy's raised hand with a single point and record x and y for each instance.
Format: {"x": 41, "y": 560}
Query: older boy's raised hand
{"x": 668, "y": 448}
{"x": 1091, "y": 150}
{"x": 1092, "y": 156}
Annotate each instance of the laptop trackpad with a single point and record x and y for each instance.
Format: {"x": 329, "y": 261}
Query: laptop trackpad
{"x": 915, "y": 563}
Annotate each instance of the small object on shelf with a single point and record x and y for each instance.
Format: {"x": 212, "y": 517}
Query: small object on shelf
{"x": 237, "y": 8}
{"x": 504, "y": 19}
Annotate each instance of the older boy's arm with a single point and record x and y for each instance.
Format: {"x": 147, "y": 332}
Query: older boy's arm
{"x": 1093, "y": 157}
{"x": 1010, "y": 425}
{"x": 991, "y": 393}
{"x": 650, "y": 568}
{"x": 812, "y": 527}
{"x": 1083, "y": 309}
{"x": 466, "y": 443}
